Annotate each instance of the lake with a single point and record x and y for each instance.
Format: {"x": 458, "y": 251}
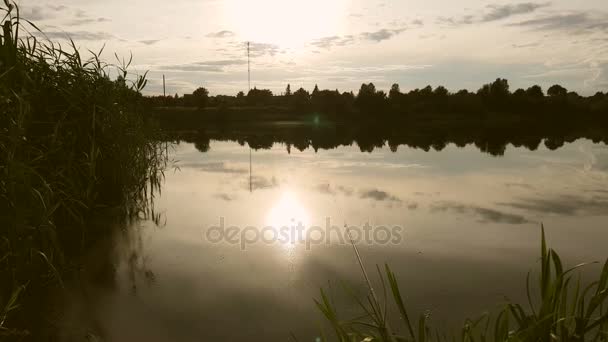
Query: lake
{"x": 460, "y": 228}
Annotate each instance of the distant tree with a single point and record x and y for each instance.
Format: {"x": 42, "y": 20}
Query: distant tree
{"x": 368, "y": 99}
{"x": 201, "y": 97}
{"x": 395, "y": 92}
{"x": 440, "y": 98}
{"x": 426, "y": 91}
{"x": 288, "y": 90}
{"x": 240, "y": 95}
{"x": 366, "y": 90}
{"x": 441, "y": 91}
{"x": 495, "y": 94}
{"x": 535, "y": 92}
{"x": 519, "y": 93}
{"x": 259, "y": 96}
{"x": 557, "y": 91}
{"x": 300, "y": 98}
{"x": 499, "y": 88}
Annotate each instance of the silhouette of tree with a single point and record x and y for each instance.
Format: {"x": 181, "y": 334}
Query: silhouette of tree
{"x": 557, "y": 91}
{"x": 426, "y": 91}
{"x": 520, "y": 93}
{"x": 395, "y": 92}
{"x": 259, "y": 97}
{"x": 369, "y": 99}
{"x": 201, "y": 97}
{"x": 441, "y": 91}
{"x": 500, "y": 88}
{"x": 495, "y": 94}
{"x": 535, "y": 92}
{"x": 492, "y": 102}
{"x": 300, "y": 99}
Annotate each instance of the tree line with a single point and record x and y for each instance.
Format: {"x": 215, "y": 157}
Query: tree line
{"x": 491, "y": 97}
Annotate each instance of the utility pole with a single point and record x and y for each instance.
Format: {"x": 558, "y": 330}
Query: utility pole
{"x": 249, "y": 85}
{"x": 164, "y": 89}
{"x": 250, "y": 177}
{"x": 248, "y": 68}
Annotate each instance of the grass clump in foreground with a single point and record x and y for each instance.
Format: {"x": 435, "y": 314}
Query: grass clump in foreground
{"x": 566, "y": 311}
{"x": 73, "y": 143}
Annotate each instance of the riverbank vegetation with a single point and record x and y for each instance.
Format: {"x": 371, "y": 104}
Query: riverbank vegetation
{"x": 370, "y": 103}
{"x": 559, "y": 308}
{"x": 74, "y": 144}
{"x": 428, "y": 118}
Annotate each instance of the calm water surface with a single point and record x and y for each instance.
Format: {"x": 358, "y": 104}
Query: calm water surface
{"x": 470, "y": 234}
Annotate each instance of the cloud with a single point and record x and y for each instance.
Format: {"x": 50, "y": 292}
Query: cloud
{"x": 261, "y": 49}
{"x": 219, "y": 167}
{"x": 375, "y": 36}
{"x": 57, "y": 8}
{"x": 328, "y": 42}
{"x": 75, "y": 17}
{"x": 192, "y": 68}
{"x": 84, "y": 21}
{"x": 569, "y": 205}
{"x": 526, "y": 45}
{"x": 255, "y": 49}
{"x": 221, "y": 34}
{"x": 417, "y": 22}
{"x": 40, "y": 13}
{"x": 378, "y": 195}
{"x": 225, "y": 62}
{"x": 206, "y": 66}
{"x": 35, "y": 13}
{"x": 519, "y": 185}
{"x": 150, "y": 41}
{"x": 492, "y": 13}
{"x": 260, "y": 183}
{"x": 80, "y": 13}
{"x": 577, "y": 22}
{"x": 76, "y": 35}
{"x": 328, "y": 190}
{"x": 452, "y": 21}
{"x": 381, "y": 35}
{"x": 224, "y": 197}
{"x": 483, "y": 214}
{"x": 498, "y": 12}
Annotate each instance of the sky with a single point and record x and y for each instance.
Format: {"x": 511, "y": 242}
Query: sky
{"x": 339, "y": 44}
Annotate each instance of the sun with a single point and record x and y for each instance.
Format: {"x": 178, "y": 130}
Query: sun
{"x": 288, "y": 23}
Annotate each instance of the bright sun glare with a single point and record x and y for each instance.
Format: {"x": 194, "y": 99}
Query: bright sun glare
{"x": 287, "y": 211}
{"x": 288, "y": 23}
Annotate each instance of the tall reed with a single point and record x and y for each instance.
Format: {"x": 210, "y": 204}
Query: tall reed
{"x": 73, "y": 143}
{"x": 565, "y": 311}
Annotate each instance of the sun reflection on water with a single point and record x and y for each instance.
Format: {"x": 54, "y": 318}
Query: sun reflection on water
{"x": 285, "y": 216}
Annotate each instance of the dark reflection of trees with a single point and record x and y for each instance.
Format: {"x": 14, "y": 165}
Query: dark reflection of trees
{"x": 427, "y": 118}
{"x": 202, "y": 142}
{"x": 367, "y": 137}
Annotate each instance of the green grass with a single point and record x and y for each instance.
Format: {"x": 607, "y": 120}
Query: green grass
{"x": 74, "y": 144}
{"x": 566, "y": 310}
